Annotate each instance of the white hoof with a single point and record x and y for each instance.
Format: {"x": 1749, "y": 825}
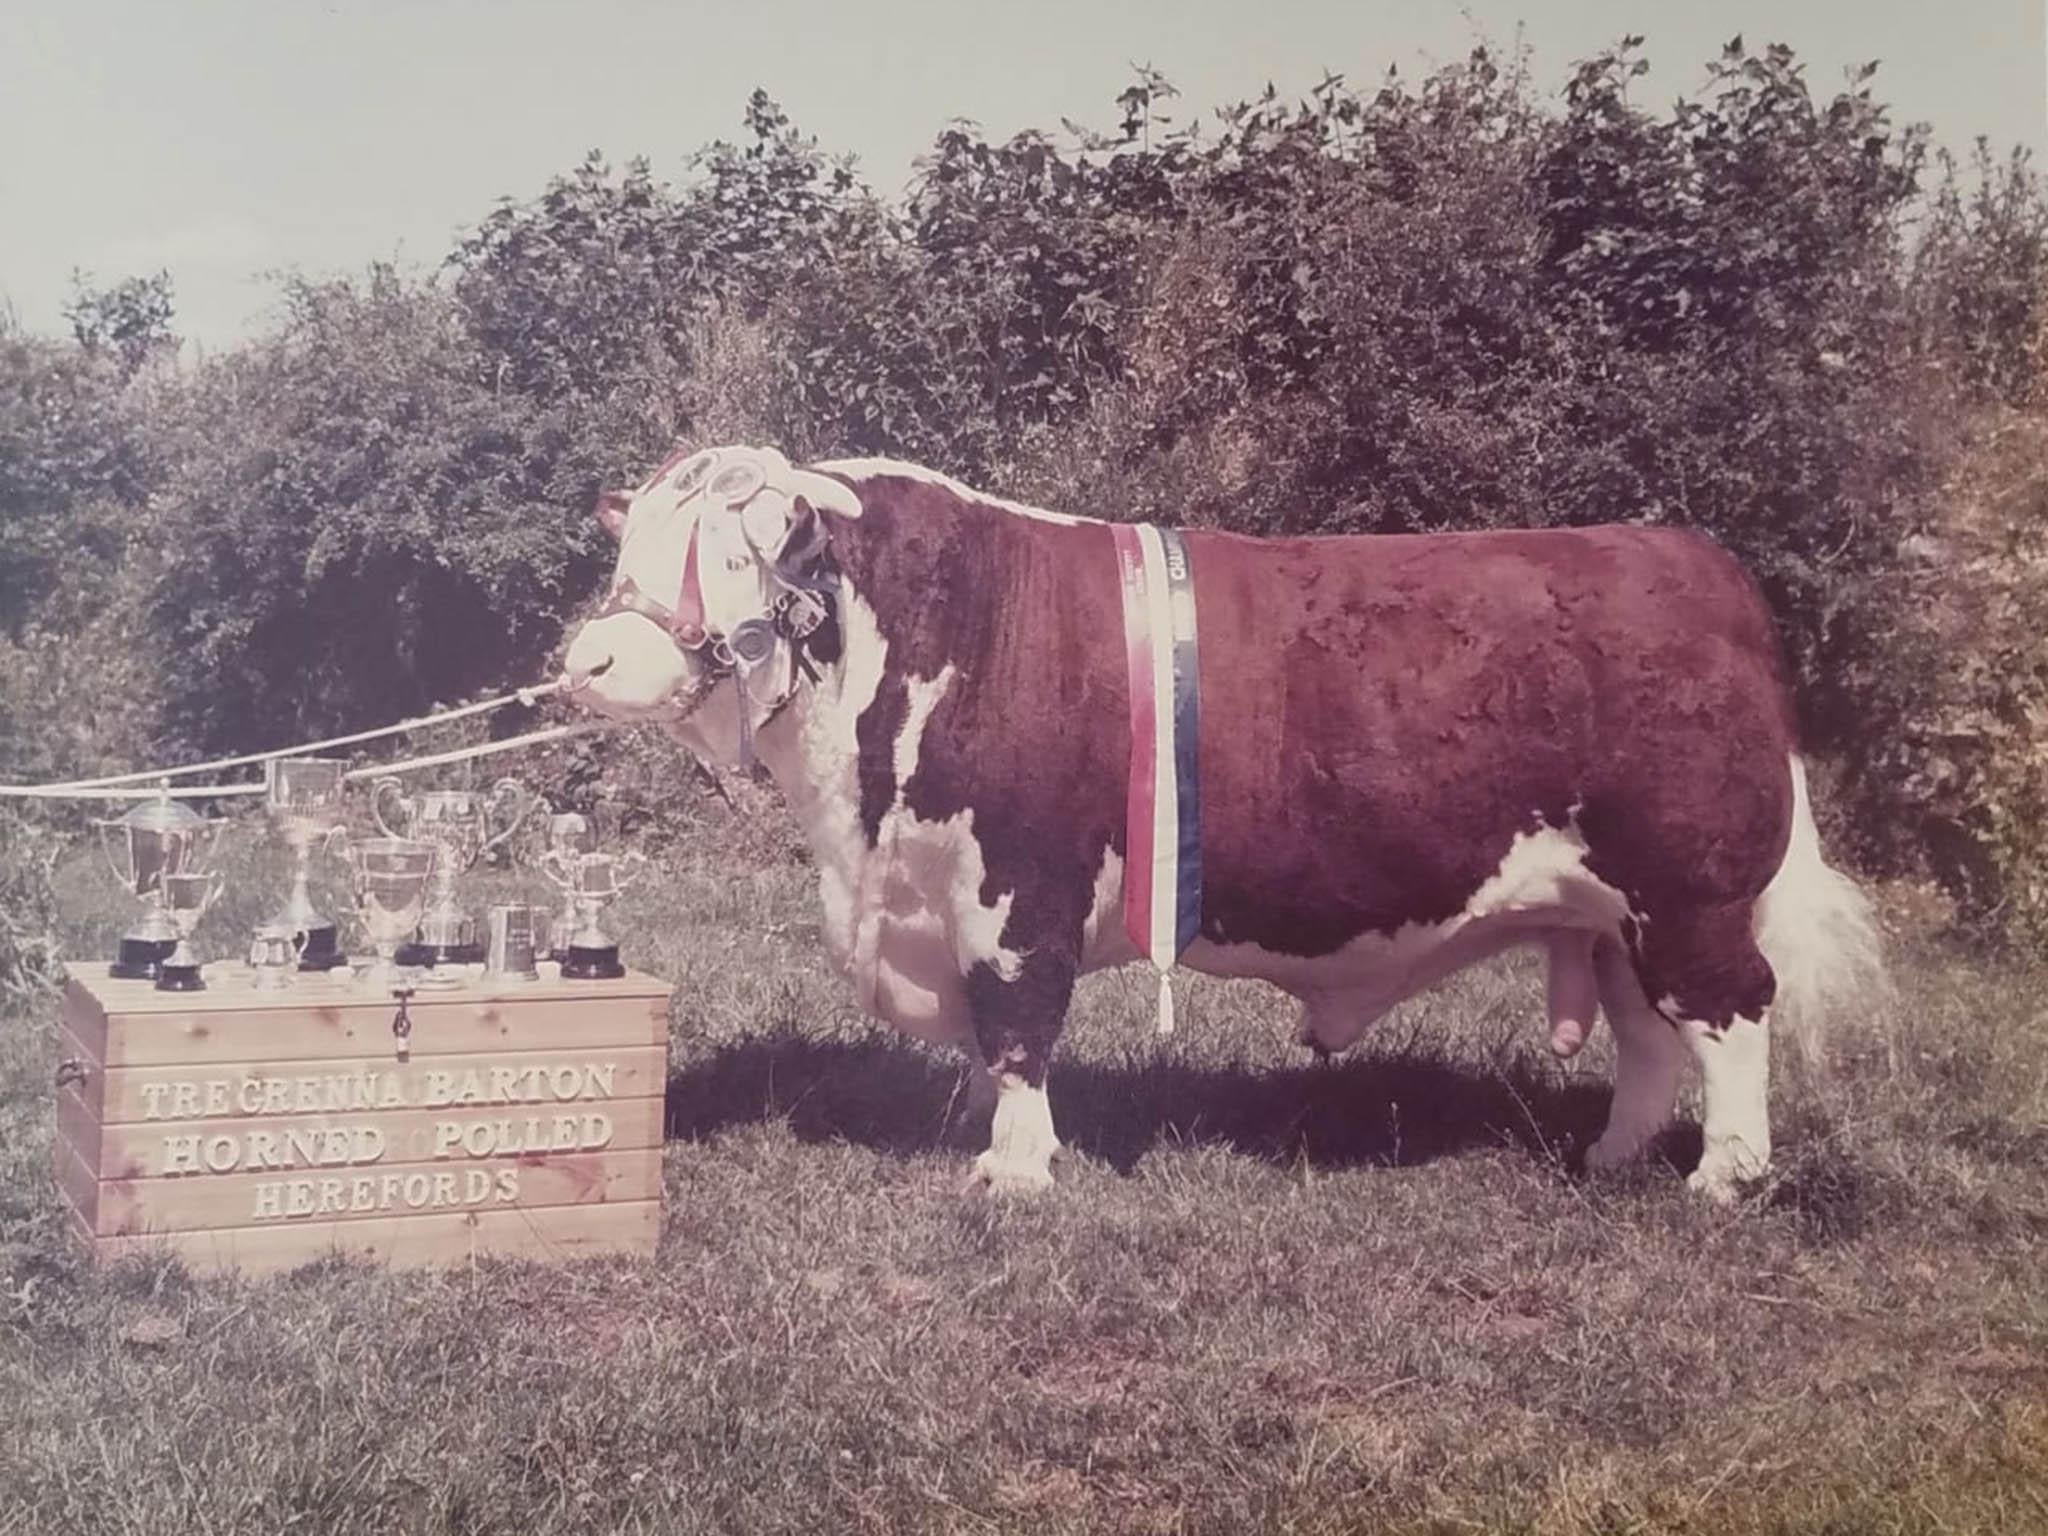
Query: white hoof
{"x": 1009, "y": 1176}
{"x": 1723, "y": 1171}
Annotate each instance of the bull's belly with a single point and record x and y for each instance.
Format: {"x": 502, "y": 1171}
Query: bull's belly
{"x": 1541, "y": 893}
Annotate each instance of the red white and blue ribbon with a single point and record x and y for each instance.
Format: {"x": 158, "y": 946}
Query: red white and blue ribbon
{"x": 1163, "y": 842}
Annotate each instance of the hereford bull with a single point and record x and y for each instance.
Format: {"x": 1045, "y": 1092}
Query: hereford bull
{"x": 1414, "y": 752}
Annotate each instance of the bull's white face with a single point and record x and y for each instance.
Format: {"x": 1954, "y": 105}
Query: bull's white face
{"x": 742, "y": 509}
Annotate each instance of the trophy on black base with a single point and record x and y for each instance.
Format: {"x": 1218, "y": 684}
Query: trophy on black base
{"x": 186, "y": 898}
{"x": 157, "y": 838}
{"x": 304, "y": 798}
{"x": 591, "y": 880}
{"x": 568, "y": 836}
{"x": 458, "y": 822}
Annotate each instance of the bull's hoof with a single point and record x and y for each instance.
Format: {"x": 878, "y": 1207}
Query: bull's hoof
{"x": 1612, "y": 1151}
{"x": 1013, "y": 1176}
{"x": 1721, "y": 1179}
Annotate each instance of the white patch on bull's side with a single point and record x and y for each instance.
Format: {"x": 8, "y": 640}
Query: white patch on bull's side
{"x": 1021, "y": 1139}
{"x": 1735, "y": 1080}
{"x": 1542, "y": 887}
{"x": 861, "y": 469}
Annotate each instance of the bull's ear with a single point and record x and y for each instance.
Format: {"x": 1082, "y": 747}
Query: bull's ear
{"x": 805, "y": 540}
{"x": 611, "y": 513}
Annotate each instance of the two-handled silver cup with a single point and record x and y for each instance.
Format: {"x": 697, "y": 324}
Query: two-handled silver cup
{"x": 591, "y": 880}
{"x": 187, "y": 895}
{"x": 458, "y": 822}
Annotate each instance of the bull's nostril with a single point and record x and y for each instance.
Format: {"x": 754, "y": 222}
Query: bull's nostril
{"x": 602, "y": 667}
{"x": 578, "y": 678}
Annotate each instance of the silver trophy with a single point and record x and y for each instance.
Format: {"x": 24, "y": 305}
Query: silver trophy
{"x": 157, "y": 838}
{"x": 458, "y": 822}
{"x": 591, "y": 880}
{"x": 187, "y": 895}
{"x": 390, "y": 880}
{"x": 568, "y": 834}
{"x": 304, "y": 798}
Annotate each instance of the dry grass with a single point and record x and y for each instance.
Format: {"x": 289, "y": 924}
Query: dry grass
{"x": 1267, "y": 1295}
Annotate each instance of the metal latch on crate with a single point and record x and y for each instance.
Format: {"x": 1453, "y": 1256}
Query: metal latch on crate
{"x": 401, "y": 1022}
{"x": 71, "y": 1070}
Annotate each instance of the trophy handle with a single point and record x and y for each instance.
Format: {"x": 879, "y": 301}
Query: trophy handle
{"x": 127, "y": 881}
{"x": 557, "y": 859}
{"x": 388, "y": 785}
{"x": 631, "y": 867}
{"x": 216, "y": 884}
{"x": 510, "y": 789}
{"x": 300, "y": 938}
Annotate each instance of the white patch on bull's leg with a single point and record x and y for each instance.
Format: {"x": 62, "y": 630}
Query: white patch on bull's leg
{"x": 1573, "y": 994}
{"x": 1735, "y": 1087}
{"x": 1649, "y": 1061}
{"x": 1021, "y": 1141}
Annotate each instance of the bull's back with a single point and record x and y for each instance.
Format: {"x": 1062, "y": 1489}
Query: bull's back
{"x": 1382, "y": 715}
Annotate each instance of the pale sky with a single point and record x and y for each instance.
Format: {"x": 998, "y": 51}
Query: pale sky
{"x": 222, "y": 139}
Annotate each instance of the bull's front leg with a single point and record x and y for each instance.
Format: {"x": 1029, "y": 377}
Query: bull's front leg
{"x": 1016, "y": 1021}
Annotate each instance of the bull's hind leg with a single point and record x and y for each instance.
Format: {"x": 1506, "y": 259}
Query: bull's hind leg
{"x": 1016, "y": 1021}
{"x": 1707, "y": 974}
{"x": 1649, "y": 1060}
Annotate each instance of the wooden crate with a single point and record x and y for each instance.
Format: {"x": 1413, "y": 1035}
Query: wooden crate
{"x": 260, "y": 1130}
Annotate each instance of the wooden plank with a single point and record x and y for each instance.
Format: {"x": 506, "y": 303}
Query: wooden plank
{"x": 81, "y": 1190}
{"x": 361, "y": 1141}
{"x": 376, "y": 1190}
{"x": 78, "y": 1127}
{"x": 84, "y": 1034}
{"x": 161, "y": 1095}
{"x": 303, "y": 1030}
{"x": 557, "y": 1233}
{"x": 228, "y": 990}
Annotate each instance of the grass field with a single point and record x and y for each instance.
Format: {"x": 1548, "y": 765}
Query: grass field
{"x": 1266, "y": 1294}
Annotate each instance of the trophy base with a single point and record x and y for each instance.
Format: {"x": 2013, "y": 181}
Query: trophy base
{"x": 592, "y": 962}
{"x": 428, "y": 955}
{"x": 139, "y": 959}
{"x": 179, "y": 978}
{"x": 323, "y": 950}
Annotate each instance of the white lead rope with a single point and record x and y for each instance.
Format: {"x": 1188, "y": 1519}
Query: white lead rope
{"x": 526, "y": 696}
{"x": 127, "y": 786}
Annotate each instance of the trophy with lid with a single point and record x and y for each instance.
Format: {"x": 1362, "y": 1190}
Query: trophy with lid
{"x": 458, "y": 823}
{"x": 304, "y": 798}
{"x": 157, "y": 839}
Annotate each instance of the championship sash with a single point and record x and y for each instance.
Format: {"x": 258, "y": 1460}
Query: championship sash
{"x": 1163, "y": 815}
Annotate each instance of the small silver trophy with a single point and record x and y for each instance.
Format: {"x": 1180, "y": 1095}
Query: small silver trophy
{"x": 157, "y": 838}
{"x": 304, "y": 798}
{"x": 591, "y": 880}
{"x": 186, "y": 897}
{"x": 458, "y": 822}
{"x": 390, "y": 878}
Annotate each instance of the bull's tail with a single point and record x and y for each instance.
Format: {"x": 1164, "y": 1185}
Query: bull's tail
{"x": 1821, "y": 936}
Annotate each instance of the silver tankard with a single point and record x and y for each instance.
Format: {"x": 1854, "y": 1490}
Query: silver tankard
{"x": 274, "y": 955}
{"x": 512, "y": 941}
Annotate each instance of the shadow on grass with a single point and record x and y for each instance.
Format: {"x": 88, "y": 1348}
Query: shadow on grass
{"x": 1388, "y": 1111}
